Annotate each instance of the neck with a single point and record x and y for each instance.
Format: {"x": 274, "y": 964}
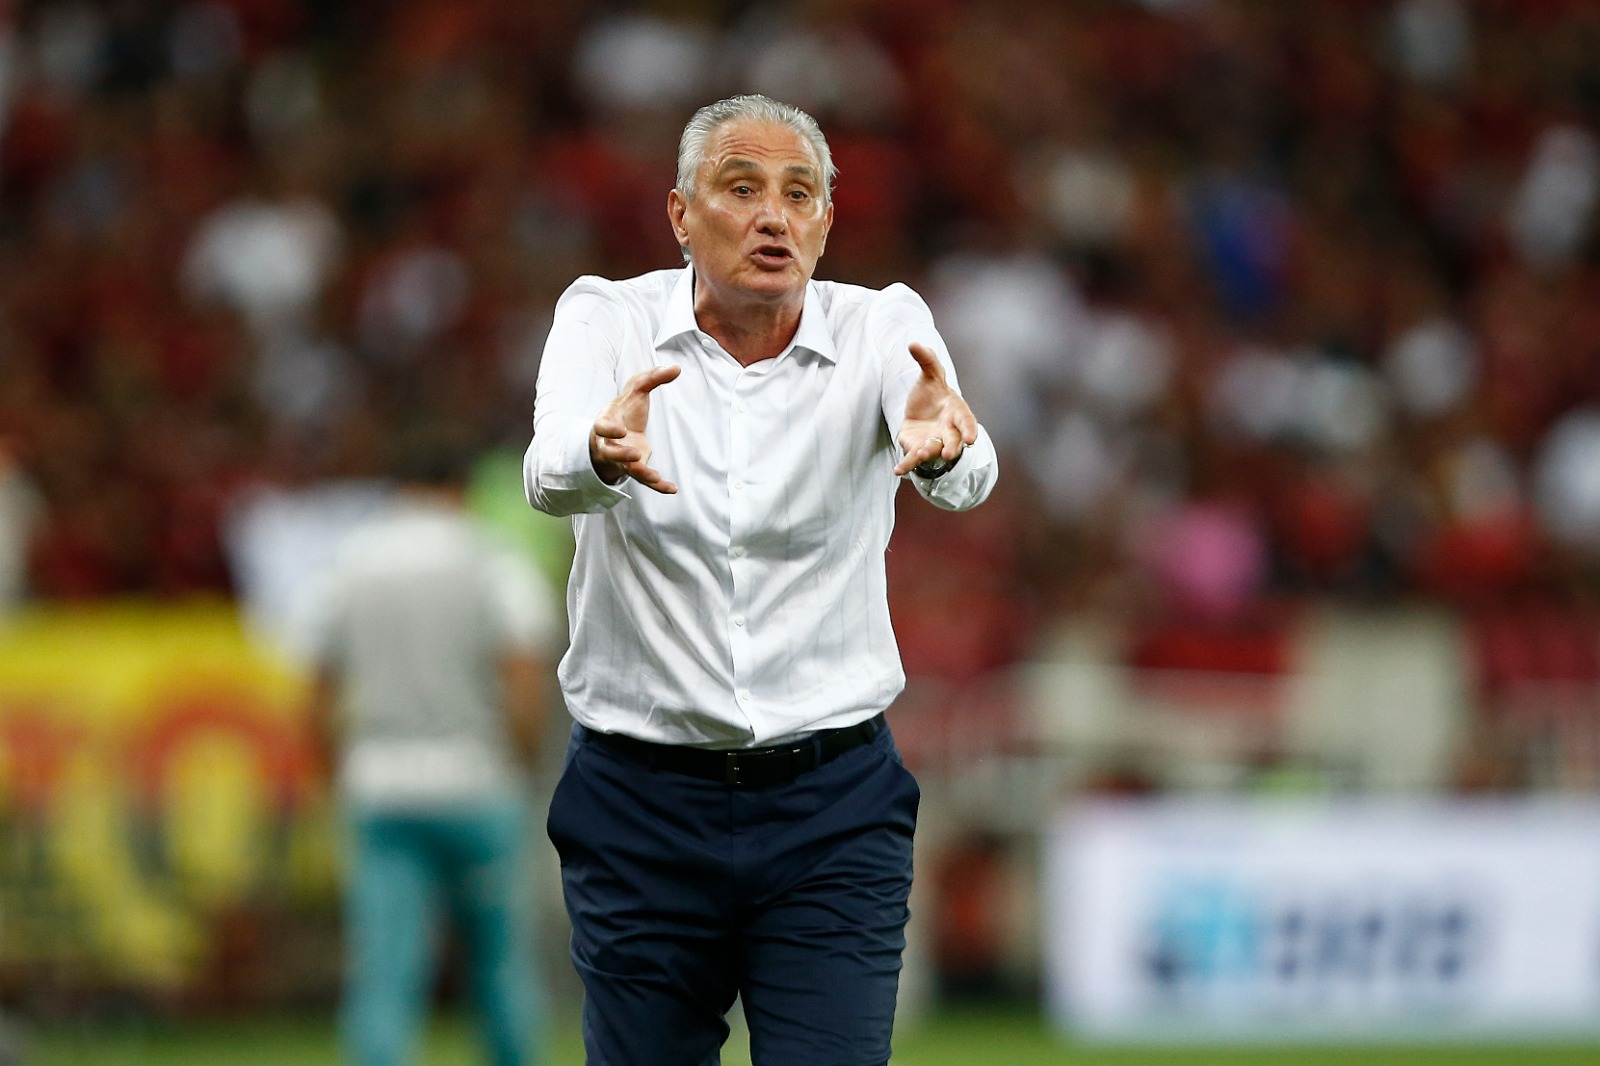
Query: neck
{"x": 752, "y": 332}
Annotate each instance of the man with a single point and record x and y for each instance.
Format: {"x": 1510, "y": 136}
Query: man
{"x": 432, "y": 639}
{"x": 733, "y": 818}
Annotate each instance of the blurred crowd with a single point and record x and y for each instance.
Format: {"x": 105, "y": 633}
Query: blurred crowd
{"x": 1260, "y": 300}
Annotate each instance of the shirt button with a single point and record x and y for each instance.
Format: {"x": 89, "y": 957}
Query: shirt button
{"x": 738, "y": 552}
{"x": 738, "y": 619}
{"x": 741, "y": 408}
{"x": 738, "y": 486}
{"x": 744, "y": 695}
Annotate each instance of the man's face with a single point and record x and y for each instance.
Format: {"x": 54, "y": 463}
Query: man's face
{"x": 758, "y": 221}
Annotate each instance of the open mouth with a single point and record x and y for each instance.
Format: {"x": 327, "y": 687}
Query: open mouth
{"x": 772, "y": 255}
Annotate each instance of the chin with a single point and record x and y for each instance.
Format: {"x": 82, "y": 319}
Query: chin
{"x": 776, "y": 285}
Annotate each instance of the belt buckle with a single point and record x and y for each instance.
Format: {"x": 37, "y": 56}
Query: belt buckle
{"x": 734, "y": 768}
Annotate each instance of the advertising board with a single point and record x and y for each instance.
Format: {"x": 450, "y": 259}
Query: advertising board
{"x": 1243, "y": 919}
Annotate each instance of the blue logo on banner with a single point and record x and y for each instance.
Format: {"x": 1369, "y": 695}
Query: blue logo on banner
{"x": 1214, "y": 942}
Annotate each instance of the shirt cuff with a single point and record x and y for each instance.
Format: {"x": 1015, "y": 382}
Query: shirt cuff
{"x": 967, "y": 483}
{"x": 565, "y": 481}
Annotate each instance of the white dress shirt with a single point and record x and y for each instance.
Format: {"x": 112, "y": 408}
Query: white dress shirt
{"x": 750, "y": 607}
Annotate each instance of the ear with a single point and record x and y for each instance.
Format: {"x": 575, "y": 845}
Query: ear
{"x": 827, "y": 224}
{"x": 677, "y": 207}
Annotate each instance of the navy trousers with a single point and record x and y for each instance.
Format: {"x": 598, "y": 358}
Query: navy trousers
{"x": 685, "y": 892}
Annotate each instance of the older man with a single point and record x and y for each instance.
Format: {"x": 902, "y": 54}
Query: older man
{"x": 733, "y": 817}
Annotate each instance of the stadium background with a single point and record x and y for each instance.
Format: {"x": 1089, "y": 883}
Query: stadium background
{"x": 1283, "y": 315}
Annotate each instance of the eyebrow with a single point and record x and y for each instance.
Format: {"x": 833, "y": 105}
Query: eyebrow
{"x": 739, "y": 164}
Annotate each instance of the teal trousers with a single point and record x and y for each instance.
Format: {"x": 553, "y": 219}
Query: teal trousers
{"x": 411, "y": 874}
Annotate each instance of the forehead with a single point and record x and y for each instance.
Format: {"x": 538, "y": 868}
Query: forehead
{"x": 767, "y": 144}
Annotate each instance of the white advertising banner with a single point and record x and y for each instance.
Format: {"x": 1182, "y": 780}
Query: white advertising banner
{"x": 1324, "y": 920}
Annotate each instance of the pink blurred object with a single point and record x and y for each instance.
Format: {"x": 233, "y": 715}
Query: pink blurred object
{"x": 1209, "y": 560}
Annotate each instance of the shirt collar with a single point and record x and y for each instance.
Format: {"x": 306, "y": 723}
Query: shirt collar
{"x": 813, "y": 334}
{"x": 679, "y": 318}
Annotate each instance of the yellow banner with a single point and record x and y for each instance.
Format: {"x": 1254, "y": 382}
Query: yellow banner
{"x": 154, "y": 780}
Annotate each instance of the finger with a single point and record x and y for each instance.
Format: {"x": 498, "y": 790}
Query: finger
{"x": 963, "y": 425}
{"x": 927, "y": 360}
{"x": 609, "y": 428}
{"x": 920, "y": 453}
{"x": 964, "y": 416}
{"x": 910, "y": 462}
{"x": 946, "y": 442}
{"x": 651, "y": 478}
{"x": 963, "y": 434}
{"x": 622, "y": 456}
{"x": 647, "y": 380}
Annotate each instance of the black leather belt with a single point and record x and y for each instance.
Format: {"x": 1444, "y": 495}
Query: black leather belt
{"x": 746, "y": 767}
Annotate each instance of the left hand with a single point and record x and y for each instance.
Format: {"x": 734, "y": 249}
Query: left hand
{"x": 938, "y": 421}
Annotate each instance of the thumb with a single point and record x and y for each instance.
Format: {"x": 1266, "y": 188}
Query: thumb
{"x": 646, "y": 381}
{"x": 928, "y": 360}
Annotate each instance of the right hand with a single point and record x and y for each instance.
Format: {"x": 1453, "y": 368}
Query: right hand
{"x": 934, "y": 412}
{"x": 618, "y": 447}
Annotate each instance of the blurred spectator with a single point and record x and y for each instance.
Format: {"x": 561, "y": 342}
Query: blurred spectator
{"x": 1432, "y": 367}
{"x": 634, "y": 60}
{"x": 411, "y": 298}
{"x": 1553, "y": 207}
{"x": 1432, "y": 41}
{"x": 1241, "y": 223}
{"x": 1352, "y": 247}
{"x": 1014, "y": 315}
{"x": 1299, "y": 398}
{"x": 816, "y": 55}
{"x": 1208, "y": 560}
{"x": 1568, "y": 486}
{"x": 432, "y": 646}
{"x": 267, "y": 258}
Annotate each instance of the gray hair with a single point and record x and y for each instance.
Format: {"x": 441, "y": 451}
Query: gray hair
{"x": 692, "y": 145}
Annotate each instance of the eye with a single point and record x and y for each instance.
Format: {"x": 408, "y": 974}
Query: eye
{"x": 799, "y": 196}
{"x": 741, "y": 190}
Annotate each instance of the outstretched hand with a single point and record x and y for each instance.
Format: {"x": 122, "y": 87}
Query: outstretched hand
{"x": 938, "y": 421}
{"x": 618, "y": 447}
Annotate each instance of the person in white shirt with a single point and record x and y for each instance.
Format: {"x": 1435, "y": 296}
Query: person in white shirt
{"x": 733, "y": 818}
{"x": 431, "y": 642}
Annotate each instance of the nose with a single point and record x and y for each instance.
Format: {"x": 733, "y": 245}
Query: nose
{"x": 771, "y": 218}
